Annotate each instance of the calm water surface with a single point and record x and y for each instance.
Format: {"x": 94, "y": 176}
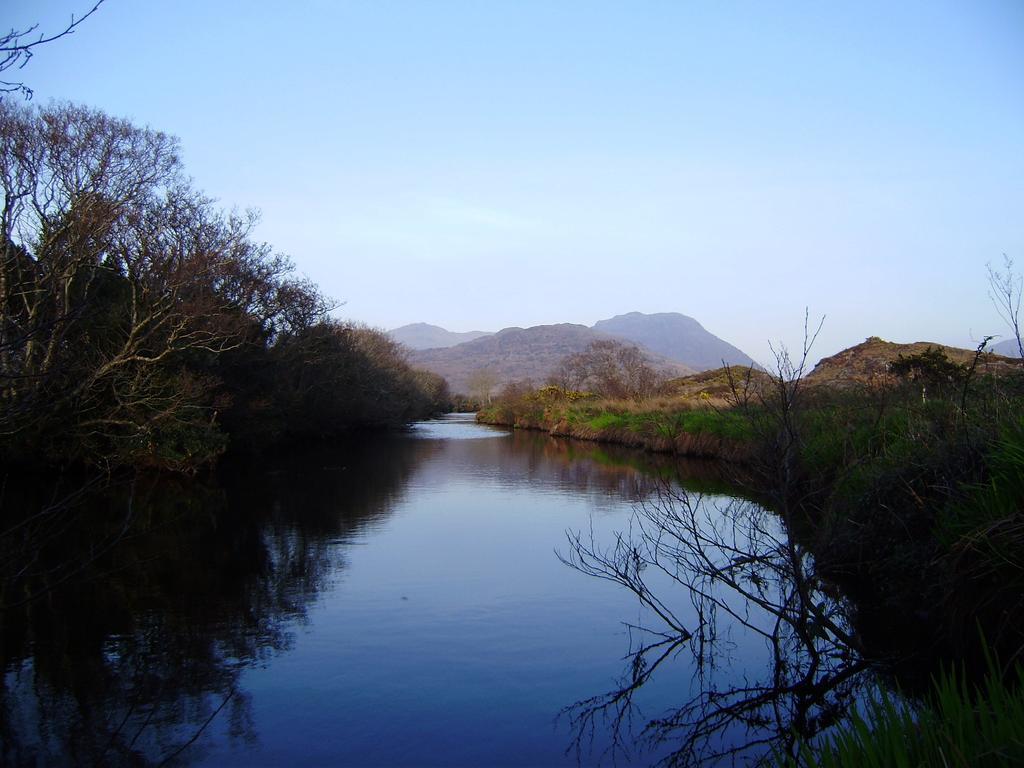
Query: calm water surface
{"x": 399, "y": 602}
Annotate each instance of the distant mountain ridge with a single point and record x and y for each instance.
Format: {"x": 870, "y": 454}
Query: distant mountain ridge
{"x": 673, "y": 343}
{"x": 677, "y": 337}
{"x": 426, "y": 336}
{"x": 521, "y": 353}
{"x": 1007, "y": 348}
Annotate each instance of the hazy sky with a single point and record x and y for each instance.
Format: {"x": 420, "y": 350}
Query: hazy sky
{"x": 484, "y": 164}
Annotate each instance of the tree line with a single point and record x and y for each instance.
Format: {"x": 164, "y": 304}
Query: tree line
{"x": 143, "y": 325}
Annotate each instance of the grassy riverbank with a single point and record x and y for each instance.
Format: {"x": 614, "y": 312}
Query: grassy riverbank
{"x": 907, "y": 489}
{"x": 908, "y": 492}
{"x": 661, "y": 425}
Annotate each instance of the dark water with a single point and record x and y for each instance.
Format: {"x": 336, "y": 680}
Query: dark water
{"x": 396, "y": 602}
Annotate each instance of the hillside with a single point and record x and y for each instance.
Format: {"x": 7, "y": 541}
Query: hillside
{"x": 520, "y": 353}
{"x": 715, "y": 386}
{"x": 426, "y": 336}
{"x": 677, "y": 337}
{"x": 870, "y": 359}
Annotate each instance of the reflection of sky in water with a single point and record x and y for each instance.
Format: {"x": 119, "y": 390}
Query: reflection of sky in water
{"x": 455, "y": 426}
{"x": 434, "y": 623}
{"x": 454, "y": 635}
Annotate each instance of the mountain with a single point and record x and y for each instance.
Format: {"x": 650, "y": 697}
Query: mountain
{"x": 1007, "y": 348}
{"x": 861, "y": 362}
{"x": 520, "y": 353}
{"x": 425, "y": 336}
{"x": 677, "y": 337}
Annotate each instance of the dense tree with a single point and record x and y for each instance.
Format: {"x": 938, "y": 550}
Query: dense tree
{"x": 138, "y": 320}
{"x": 105, "y": 277}
{"x": 364, "y": 366}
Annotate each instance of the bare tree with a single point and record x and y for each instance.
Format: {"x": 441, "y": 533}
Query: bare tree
{"x": 17, "y": 47}
{"x": 481, "y": 384}
{"x": 1004, "y": 289}
{"x": 609, "y": 368}
{"x": 568, "y": 375}
{"x": 772, "y": 405}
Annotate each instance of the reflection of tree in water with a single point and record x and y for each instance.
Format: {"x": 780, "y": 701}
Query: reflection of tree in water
{"x": 742, "y": 578}
{"x": 128, "y": 619}
{"x": 608, "y": 472}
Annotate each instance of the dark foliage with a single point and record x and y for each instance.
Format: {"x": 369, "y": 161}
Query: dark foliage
{"x": 141, "y": 325}
{"x": 932, "y": 366}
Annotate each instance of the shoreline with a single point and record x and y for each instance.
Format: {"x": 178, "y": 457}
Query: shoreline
{"x": 700, "y": 445}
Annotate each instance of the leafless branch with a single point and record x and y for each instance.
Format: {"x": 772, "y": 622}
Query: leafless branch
{"x": 1005, "y": 290}
{"x": 17, "y": 48}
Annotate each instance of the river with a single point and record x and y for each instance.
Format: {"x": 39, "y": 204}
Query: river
{"x": 399, "y": 602}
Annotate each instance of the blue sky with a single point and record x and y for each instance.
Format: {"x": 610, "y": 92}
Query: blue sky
{"x": 485, "y": 164}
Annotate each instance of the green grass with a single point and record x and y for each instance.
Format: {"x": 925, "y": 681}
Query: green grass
{"x": 604, "y": 421}
{"x": 995, "y": 502}
{"x": 596, "y": 416}
{"x": 960, "y": 726}
{"x": 727, "y": 424}
{"x": 664, "y": 423}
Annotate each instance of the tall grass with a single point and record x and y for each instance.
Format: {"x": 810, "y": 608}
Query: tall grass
{"x": 995, "y": 502}
{"x": 656, "y": 423}
{"x": 959, "y": 726}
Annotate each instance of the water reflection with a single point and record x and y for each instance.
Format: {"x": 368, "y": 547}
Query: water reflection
{"x": 150, "y": 596}
{"x": 773, "y": 655}
{"x": 395, "y": 601}
{"x": 607, "y": 473}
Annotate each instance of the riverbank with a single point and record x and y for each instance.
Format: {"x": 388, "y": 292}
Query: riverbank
{"x": 658, "y": 425}
{"x": 908, "y": 494}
